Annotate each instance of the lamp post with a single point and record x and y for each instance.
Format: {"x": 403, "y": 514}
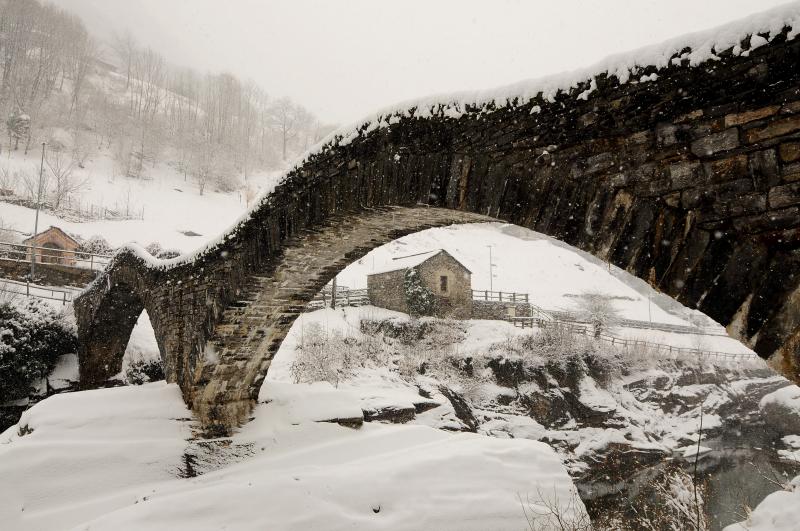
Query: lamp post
{"x": 36, "y": 220}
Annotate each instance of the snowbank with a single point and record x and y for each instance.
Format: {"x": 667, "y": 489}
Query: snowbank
{"x": 110, "y": 459}
{"x": 780, "y": 511}
{"x": 87, "y": 453}
{"x": 383, "y": 477}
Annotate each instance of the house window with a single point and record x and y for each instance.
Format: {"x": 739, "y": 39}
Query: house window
{"x": 443, "y": 283}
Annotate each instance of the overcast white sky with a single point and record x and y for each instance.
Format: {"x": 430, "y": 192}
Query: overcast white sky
{"x": 345, "y": 58}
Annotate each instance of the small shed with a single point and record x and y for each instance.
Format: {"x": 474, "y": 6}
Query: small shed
{"x": 53, "y": 246}
{"x": 438, "y": 271}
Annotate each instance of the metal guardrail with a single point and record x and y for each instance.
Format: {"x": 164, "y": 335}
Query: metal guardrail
{"x": 46, "y": 255}
{"x": 615, "y": 340}
{"x": 568, "y": 317}
{"x": 26, "y": 289}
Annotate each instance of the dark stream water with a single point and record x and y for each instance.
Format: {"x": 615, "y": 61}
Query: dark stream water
{"x": 740, "y": 471}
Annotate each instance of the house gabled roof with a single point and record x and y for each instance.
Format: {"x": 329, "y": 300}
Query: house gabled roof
{"x": 55, "y": 229}
{"x": 413, "y": 260}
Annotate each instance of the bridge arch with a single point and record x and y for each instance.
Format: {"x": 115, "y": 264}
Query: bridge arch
{"x": 689, "y": 181}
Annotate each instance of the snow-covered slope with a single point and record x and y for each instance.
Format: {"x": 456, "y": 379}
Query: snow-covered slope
{"x": 525, "y": 261}
{"x": 169, "y": 204}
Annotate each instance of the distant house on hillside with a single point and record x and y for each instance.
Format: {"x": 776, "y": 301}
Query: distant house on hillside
{"x": 446, "y": 279}
{"x": 54, "y": 247}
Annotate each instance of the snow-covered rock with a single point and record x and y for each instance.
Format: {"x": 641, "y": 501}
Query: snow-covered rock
{"x": 782, "y": 409}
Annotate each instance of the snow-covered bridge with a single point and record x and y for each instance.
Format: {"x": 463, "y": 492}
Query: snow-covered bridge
{"x": 679, "y": 163}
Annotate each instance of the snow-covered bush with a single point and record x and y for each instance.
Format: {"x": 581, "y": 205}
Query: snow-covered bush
{"x": 7, "y": 234}
{"x": 598, "y": 309}
{"x": 9, "y": 181}
{"x": 154, "y": 248}
{"x": 419, "y": 298}
{"x": 565, "y": 353}
{"x": 227, "y": 177}
{"x": 324, "y": 357}
{"x": 166, "y": 254}
{"x": 32, "y": 338}
{"x": 58, "y": 139}
{"x": 95, "y": 245}
{"x": 142, "y": 371}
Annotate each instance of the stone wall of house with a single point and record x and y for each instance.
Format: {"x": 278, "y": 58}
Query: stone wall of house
{"x": 456, "y": 303}
{"x": 690, "y": 182}
{"x": 387, "y": 290}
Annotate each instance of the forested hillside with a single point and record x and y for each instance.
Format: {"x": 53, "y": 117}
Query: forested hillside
{"x": 123, "y": 101}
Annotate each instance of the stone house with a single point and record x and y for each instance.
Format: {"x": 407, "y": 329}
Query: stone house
{"x": 444, "y": 276}
{"x": 55, "y": 247}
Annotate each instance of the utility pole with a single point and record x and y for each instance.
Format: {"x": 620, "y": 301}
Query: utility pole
{"x": 491, "y": 269}
{"x": 333, "y": 294}
{"x": 36, "y": 222}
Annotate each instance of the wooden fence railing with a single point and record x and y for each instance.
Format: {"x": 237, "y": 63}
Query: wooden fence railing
{"x": 499, "y": 296}
{"x": 344, "y": 297}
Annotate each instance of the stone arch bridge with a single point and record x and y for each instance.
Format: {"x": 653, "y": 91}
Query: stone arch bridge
{"x": 690, "y": 181}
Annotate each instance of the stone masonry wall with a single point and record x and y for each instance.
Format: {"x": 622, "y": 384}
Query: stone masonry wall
{"x": 457, "y": 302}
{"x": 387, "y": 290}
{"x": 690, "y": 182}
{"x": 49, "y": 274}
{"x": 499, "y": 310}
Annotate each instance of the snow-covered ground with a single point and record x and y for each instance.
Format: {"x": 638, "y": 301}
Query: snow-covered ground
{"x": 652, "y": 409}
{"x": 115, "y": 458}
{"x": 552, "y": 273}
{"x": 171, "y": 205}
{"x": 377, "y": 387}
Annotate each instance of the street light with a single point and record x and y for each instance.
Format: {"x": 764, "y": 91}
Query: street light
{"x": 36, "y": 222}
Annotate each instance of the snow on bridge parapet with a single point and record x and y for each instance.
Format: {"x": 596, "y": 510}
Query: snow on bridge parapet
{"x": 738, "y": 38}
{"x": 638, "y": 66}
{"x": 690, "y": 182}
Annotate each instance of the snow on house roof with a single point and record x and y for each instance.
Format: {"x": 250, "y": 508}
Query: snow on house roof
{"x": 53, "y": 229}
{"x": 412, "y": 260}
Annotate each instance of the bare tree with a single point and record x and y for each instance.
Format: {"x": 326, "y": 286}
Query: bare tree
{"x": 546, "y": 512}
{"x": 124, "y": 46}
{"x": 284, "y": 117}
{"x": 64, "y": 181}
{"x": 47, "y": 57}
{"x": 29, "y": 180}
